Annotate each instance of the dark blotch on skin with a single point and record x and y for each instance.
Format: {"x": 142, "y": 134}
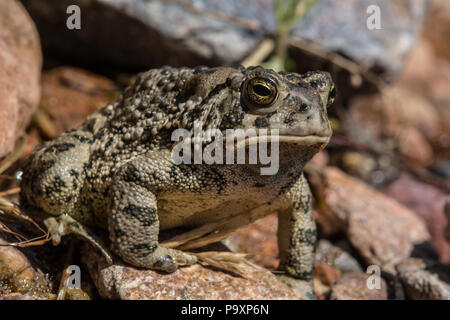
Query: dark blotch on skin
{"x": 261, "y": 122}
{"x": 60, "y": 147}
{"x": 145, "y": 215}
{"x": 143, "y": 249}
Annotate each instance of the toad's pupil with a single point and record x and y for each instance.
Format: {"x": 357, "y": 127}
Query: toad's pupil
{"x": 261, "y": 90}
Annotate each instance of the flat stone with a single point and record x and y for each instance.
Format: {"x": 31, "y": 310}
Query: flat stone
{"x": 193, "y": 283}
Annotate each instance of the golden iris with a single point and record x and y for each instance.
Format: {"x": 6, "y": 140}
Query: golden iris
{"x": 261, "y": 92}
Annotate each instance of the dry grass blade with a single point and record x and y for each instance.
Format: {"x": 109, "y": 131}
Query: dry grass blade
{"x": 194, "y": 234}
{"x": 15, "y": 156}
{"x": 213, "y": 232}
{"x": 4, "y": 228}
{"x": 228, "y": 261}
{"x": 258, "y": 55}
{"x": 353, "y": 68}
{"x": 10, "y": 210}
{"x": 9, "y": 192}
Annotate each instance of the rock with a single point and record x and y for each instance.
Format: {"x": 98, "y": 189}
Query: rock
{"x": 70, "y": 94}
{"x": 413, "y": 146}
{"x": 324, "y": 276}
{"x": 402, "y": 115}
{"x": 176, "y": 33}
{"x": 331, "y": 263}
{"x": 428, "y": 202}
{"x": 325, "y": 273}
{"x": 437, "y": 28}
{"x": 447, "y": 214}
{"x": 359, "y": 164}
{"x": 420, "y": 284}
{"x": 429, "y": 76}
{"x": 17, "y": 275}
{"x": 20, "y": 67}
{"x": 383, "y": 231}
{"x": 353, "y": 286}
{"x": 194, "y": 282}
{"x": 334, "y": 256}
{"x": 341, "y": 27}
{"x": 216, "y": 32}
{"x": 259, "y": 240}
{"x": 16, "y": 296}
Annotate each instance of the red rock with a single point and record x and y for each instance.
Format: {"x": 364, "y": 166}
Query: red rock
{"x": 70, "y": 94}
{"x": 259, "y": 240}
{"x": 437, "y": 27}
{"x": 353, "y": 286}
{"x": 447, "y": 214}
{"x": 20, "y": 70}
{"x": 325, "y": 273}
{"x": 428, "y": 202}
{"x": 383, "y": 231}
{"x": 194, "y": 282}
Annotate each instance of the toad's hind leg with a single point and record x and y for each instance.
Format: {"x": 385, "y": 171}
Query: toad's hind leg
{"x": 134, "y": 225}
{"x": 65, "y": 224}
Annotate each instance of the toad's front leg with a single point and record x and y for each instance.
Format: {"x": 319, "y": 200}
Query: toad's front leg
{"x": 297, "y": 239}
{"x": 133, "y": 220}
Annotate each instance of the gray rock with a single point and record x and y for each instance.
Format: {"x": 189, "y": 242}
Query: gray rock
{"x": 330, "y": 254}
{"x": 141, "y": 34}
{"x": 338, "y": 26}
{"x": 420, "y": 284}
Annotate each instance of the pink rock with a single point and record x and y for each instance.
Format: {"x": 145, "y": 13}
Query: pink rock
{"x": 353, "y": 286}
{"x": 428, "y": 202}
{"x": 381, "y": 229}
{"x": 193, "y": 283}
{"x": 20, "y": 70}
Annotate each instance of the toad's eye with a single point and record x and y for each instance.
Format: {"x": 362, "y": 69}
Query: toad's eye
{"x": 332, "y": 95}
{"x": 260, "y": 92}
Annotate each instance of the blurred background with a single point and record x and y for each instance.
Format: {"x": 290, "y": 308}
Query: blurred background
{"x": 381, "y": 187}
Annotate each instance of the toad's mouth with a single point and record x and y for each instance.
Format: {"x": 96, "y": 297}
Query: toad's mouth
{"x": 308, "y": 140}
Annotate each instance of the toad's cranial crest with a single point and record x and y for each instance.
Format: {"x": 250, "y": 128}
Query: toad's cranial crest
{"x": 116, "y": 172}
